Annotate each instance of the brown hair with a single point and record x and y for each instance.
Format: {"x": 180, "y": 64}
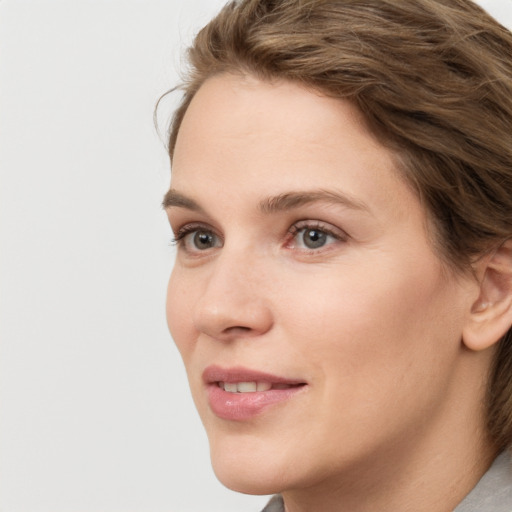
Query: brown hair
{"x": 433, "y": 79}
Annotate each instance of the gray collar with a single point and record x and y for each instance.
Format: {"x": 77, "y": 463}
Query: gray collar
{"x": 276, "y": 504}
{"x": 493, "y": 493}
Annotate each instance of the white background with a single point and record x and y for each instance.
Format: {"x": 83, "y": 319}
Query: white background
{"x": 95, "y": 413}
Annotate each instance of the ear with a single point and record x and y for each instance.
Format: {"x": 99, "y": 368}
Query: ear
{"x": 491, "y": 314}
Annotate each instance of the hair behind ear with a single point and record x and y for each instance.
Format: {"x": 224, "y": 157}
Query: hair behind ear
{"x": 499, "y": 394}
{"x": 490, "y": 324}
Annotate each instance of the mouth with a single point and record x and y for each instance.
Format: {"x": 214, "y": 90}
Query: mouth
{"x": 254, "y": 386}
{"x": 240, "y": 394}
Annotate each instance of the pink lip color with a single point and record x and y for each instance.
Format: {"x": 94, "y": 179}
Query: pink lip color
{"x": 244, "y": 406}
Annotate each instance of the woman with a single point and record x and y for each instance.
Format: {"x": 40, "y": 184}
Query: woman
{"x": 341, "y": 198}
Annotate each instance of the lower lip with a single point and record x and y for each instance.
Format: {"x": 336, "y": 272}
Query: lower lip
{"x": 244, "y": 406}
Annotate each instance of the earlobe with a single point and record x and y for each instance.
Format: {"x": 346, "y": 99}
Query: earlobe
{"x": 491, "y": 314}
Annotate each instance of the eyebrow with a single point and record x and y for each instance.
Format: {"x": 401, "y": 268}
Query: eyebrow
{"x": 274, "y": 204}
{"x": 291, "y": 200}
{"x": 174, "y": 199}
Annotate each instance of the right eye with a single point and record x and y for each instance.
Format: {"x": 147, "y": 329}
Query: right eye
{"x": 197, "y": 239}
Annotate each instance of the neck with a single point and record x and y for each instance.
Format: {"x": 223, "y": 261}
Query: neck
{"x": 430, "y": 471}
{"x": 437, "y": 485}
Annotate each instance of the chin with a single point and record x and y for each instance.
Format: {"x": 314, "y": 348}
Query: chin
{"x": 248, "y": 480}
{"x": 249, "y": 470}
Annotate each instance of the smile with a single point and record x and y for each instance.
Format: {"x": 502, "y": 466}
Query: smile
{"x": 252, "y": 387}
{"x": 239, "y": 394}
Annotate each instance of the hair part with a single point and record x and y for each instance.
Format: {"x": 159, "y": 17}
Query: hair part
{"x": 432, "y": 78}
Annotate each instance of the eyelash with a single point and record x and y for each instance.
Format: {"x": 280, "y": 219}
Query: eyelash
{"x": 292, "y": 232}
{"x": 187, "y": 229}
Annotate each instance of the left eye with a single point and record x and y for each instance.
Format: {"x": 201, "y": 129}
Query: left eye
{"x": 202, "y": 240}
{"x": 312, "y": 238}
{"x": 197, "y": 240}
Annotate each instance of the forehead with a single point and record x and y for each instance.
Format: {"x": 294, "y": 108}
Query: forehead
{"x": 245, "y": 137}
{"x": 232, "y": 109}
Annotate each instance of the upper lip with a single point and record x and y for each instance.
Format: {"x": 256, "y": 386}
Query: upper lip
{"x": 215, "y": 373}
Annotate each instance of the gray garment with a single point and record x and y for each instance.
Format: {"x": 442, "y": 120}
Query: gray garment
{"x": 493, "y": 493}
{"x": 276, "y": 504}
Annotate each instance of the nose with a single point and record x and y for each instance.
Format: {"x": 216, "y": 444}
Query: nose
{"x": 235, "y": 303}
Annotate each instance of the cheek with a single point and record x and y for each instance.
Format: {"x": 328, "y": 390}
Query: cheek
{"x": 179, "y": 309}
{"x": 380, "y": 348}
{"x": 381, "y": 319}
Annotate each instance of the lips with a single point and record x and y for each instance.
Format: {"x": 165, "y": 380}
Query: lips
{"x": 240, "y": 394}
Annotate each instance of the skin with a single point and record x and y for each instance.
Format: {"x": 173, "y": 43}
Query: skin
{"x": 372, "y": 320}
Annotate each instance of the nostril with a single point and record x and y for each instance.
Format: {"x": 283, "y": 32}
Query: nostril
{"x": 238, "y": 328}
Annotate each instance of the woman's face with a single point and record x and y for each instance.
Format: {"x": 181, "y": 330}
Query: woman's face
{"x": 318, "y": 328}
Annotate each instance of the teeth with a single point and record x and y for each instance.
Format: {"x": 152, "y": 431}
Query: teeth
{"x": 245, "y": 387}
{"x": 231, "y": 387}
{"x": 263, "y": 386}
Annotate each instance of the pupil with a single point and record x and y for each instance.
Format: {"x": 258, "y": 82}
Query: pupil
{"x": 314, "y": 238}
